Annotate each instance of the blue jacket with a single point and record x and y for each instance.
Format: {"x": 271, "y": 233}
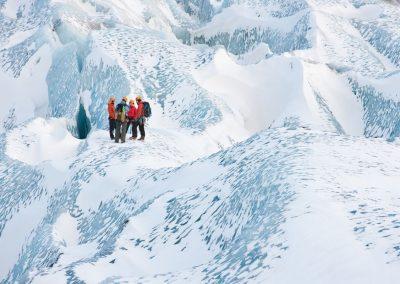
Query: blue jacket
{"x": 122, "y": 105}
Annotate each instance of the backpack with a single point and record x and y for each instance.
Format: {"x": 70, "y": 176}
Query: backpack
{"x": 146, "y": 109}
{"x": 121, "y": 112}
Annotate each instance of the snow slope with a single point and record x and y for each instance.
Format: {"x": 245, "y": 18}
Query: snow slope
{"x": 266, "y": 209}
{"x": 272, "y": 155}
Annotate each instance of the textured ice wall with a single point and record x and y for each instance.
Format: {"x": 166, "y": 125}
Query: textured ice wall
{"x": 13, "y": 59}
{"x": 100, "y": 79}
{"x": 200, "y": 8}
{"x": 245, "y": 36}
{"x": 381, "y": 114}
{"x": 243, "y": 40}
{"x": 278, "y": 8}
{"x": 31, "y": 16}
{"x": 386, "y": 39}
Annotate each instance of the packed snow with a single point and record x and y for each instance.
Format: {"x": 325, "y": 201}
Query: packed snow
{"x": 272, "y": 155}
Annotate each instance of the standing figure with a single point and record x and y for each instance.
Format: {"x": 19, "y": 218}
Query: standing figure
{"x": 122, "y": 120}
{"x": 131, "y": 117}
{"x": 140, "y": 120}
{"x": 111, "y": 116}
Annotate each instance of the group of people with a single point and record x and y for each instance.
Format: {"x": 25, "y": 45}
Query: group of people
{"x": 125, "y": 115}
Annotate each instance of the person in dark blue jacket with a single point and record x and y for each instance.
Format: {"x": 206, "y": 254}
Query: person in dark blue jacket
{"x": 121, "y": 123}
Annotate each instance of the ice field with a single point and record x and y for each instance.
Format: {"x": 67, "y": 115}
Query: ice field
{"x": 272, "y": 156}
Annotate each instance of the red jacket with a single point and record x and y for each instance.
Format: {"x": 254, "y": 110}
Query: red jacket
{"x": 140, "y": 111}
{"x": 132, "y": 112}
{"x": 111, "y": 110}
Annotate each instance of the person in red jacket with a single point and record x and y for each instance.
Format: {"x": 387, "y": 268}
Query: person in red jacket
{"x": 132, "y": 116}
{"x": 112, "y": 116}
{"x": 139, "y": 120}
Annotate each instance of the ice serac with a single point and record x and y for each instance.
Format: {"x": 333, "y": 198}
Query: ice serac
{"x": 378, "y": 95}
{"x": 203, "y": 9}
{"x": 272, "y": 155}
{"x": 382, "y": 33}
{"x": 241, "y": 28}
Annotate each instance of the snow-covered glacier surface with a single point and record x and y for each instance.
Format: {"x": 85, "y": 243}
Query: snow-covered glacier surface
{"x": 272, "y": 156}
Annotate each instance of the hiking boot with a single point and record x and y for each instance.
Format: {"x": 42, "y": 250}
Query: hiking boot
{"x": 141, "y": 139}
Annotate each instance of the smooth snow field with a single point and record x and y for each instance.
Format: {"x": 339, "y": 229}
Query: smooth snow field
{"x": 272, "y": 155}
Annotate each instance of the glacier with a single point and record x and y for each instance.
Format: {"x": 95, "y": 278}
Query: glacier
{"x": 272, "y": 155}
